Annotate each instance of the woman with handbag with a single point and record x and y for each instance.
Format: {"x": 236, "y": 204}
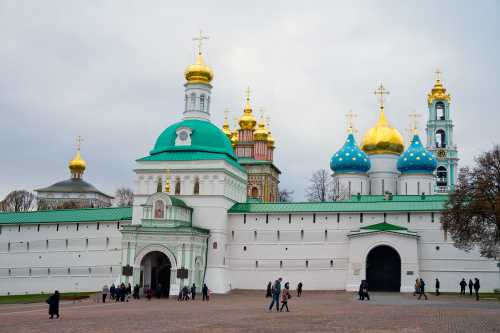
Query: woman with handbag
{"x": 285, "y": 295}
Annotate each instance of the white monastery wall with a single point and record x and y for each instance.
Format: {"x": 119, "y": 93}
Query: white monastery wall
{"x": 37, "y": 258}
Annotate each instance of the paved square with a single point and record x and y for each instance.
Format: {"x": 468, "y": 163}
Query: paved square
{"x": 247, "y": 311}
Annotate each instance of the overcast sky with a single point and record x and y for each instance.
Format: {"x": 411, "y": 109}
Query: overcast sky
{"x": 112, "y": 72}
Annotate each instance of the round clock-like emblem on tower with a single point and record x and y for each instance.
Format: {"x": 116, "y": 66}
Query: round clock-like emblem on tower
{"x": 441, "y": 154}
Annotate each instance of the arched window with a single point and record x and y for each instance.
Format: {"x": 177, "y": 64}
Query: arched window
{"x": 255, "y": 192}
{"x": 196, "y": 188}
{"x": 202, "y": 102}
{"x": 440, "y": 111}
{"x": 177, "y": 186}
{"x": 193, "y": 100}
{"x": 158, "y": 185}
{"x": 159, "y": 209}
{"x": 440, "y": 139}
{"x": 442, "y": 176}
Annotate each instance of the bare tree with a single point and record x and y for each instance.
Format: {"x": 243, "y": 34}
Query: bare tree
{"x": 18, "y": 201}
{"x": 472, "y": 215}
{"x": 285, "y": 195}
{"x": 124, "y": 197}
{"x": 320, "y": 187}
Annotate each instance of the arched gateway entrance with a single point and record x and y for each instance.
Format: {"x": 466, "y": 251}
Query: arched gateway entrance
{"x": 383, "y": 269}
{"x": 155, "y": 272}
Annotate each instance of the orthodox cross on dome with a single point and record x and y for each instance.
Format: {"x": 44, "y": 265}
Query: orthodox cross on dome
{"x": 438, "y": 74}
{"x": 350, "y": 121}
{"x": 380, "y": 92}
{"x": 268, "y": 121}
{"x": 78, "y": 142}
{"x": 414, "y": 122}
{"x": 226, "y": 113}
{"x": 247, "y": 94}
{"x": 199, "y": 40}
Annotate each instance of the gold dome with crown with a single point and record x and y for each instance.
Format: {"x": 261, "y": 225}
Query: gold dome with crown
{"x": 247, "y": 120}
{"x": 261, "y": 133}
{"x": 383, "y": 138}
{"x": 438, "y": 92}
{"x": 198, "y": 72}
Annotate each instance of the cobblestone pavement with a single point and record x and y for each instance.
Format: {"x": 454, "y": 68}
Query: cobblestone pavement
{"x": 247, "y": 311}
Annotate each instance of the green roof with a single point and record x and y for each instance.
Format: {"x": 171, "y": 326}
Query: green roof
{"x": 383, "y": 227}
{"x": 67, "y": 215}
{"x": 178, "y": 202}
{"x": 366, "y": 203}
{"x": 191, "y": 156}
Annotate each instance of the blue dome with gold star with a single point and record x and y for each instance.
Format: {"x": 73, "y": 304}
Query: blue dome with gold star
{"x": 417, "y": 159}
{"x": 350, "y": 159}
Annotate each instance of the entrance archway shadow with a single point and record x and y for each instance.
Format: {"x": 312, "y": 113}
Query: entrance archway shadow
{"x": 156, "y": 268}
{"x": 383, "y": 269}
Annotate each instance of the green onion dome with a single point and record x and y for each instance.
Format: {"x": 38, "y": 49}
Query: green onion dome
{"x": 350, "y": 158}
{"x": 194, "y": 136}
{"x": 417, "y": 159}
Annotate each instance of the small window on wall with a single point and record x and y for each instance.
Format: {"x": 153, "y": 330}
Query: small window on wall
{"x": 440, "y": 111}
{"x": 232, "y": 234}
{"x": 331, "y": 263}
{"x": 177, "y": 186}
{"x": 214, "y": 245}
{"x": 307, "y": 263}
{"x": 432, "y": 217}
{"x": 256, "y": 264}
{"x": 281, "y": 264}
{"x": 196, "y": 189}
{"x": 158, "y": 185}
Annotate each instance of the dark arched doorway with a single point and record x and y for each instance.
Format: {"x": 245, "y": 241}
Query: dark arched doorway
{"x": 383, "y": 269}
{"x": 155, "y": 273}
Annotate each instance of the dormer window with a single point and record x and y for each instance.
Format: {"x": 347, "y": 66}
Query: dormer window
{"x": 183, "y": 136}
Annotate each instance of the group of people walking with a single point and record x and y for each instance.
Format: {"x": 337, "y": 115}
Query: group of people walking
{"x": 186, "y": 293}
{"x": 472, "y": 285}
{"x": 280, "y": 294}
{"x": 120, "y": 293}
{"x": 420, "y": 288}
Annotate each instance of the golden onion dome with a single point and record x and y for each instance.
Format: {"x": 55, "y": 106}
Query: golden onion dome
{"x": 234, "y": 138}
{"x": 438, "y": 92}
{"x": 247, "y": 120}
{"x": 198, "y": 72}
{"x": 226, "y": 129}
{"x": 77, "y": 165}
{"x": 261, "y": 133}
{"x": 383, "y": 138}
{"x": 270, "y": 140}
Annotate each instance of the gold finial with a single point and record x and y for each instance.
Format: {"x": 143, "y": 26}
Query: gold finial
{"x": 350, "y": 121}
{"x": 77, "y": 165}
{"x": 381, "y": 92}
{"x": 438, "y": 92}
{"x": 247, "y": 97}
{"x": 414, "y": 122}
{"x": 78, "y": 142}
{"x": 167, "y": 181}
{"x": 225, "y": 126}
{"x": 199, "y": 40}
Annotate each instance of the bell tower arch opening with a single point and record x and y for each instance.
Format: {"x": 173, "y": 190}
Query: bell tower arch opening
{"x": 155, "y": 273}
{"x": 383, "y": 269}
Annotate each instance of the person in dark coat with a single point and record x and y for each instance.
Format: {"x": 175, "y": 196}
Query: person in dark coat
{"x": 463, "y": 284}
{"x": 438, "y": 285}
{"x": 269, "y": 290}
{"x": 122, "y": 292}
{"x": 276, "y": 295}
{"x": 363, "y": 291}
{"x": 299, "y": 289}
{"x": 193, "y": 291}
{"x": 204, "y": 291}
{"x": 136, "y": 292}
{"x": 476, "y": 288}
{"x": 53, "y": 302}
{"x": 112, "y": 291}
{"x": 422, "y": 289}
{"x": 471, "y": 286}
